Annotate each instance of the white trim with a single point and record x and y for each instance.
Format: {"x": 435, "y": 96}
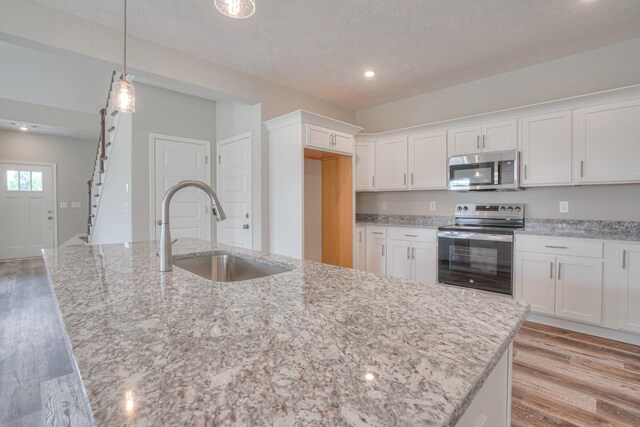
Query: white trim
{"x": 54, "y": 168}
{"x": 312, "y": 118}
{"x": 584, "y": 328}
{"x": 232, "y": 139}
{"x": 152, "y": 173}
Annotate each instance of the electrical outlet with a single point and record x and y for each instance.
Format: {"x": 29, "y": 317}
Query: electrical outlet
{"x": 64, "y": 205}
{"x": 384, "y": 206}
{"x": 564, "y": 207}
{"x": 76, "y": 204}
{"x": 432, "y": 206}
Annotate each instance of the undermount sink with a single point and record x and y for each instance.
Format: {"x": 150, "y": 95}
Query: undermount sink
{"x": 227, "y": 268}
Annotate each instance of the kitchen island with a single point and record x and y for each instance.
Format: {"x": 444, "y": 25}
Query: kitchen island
{"x": 315, "y": 345}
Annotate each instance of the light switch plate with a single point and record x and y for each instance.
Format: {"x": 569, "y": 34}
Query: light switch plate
{"x": 76, "y": 204}
{"x": 564, "y": 207}
{"x": 64, "y": 205}
{"x": 432, "y": 206}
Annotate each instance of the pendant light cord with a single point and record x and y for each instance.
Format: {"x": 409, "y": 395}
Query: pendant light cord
{"x": 124, "y": 66}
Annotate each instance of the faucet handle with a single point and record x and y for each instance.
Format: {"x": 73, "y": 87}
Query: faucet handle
{"x": 158, "y": 250}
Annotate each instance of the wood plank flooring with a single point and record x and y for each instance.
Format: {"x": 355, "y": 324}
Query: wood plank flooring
{"x": 560, "y": 378}
{"x": 564, "y": 378}
{"x": 38, "y": 385}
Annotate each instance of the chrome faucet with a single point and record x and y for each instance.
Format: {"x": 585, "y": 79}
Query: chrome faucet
{"x": 165, "y": 233}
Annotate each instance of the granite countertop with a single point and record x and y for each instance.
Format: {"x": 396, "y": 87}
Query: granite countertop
{"x": 315, "y": 345}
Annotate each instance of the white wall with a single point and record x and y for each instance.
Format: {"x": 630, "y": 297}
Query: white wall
{"x": 596, "y": 70}
{"x": 74, "y": 160}
{"x": 168, "y": 113}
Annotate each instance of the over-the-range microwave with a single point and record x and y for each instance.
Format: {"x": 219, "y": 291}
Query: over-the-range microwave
{"x": 485, "y": 171}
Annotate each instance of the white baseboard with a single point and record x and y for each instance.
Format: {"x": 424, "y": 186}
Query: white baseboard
{"x": 583, "y": 328}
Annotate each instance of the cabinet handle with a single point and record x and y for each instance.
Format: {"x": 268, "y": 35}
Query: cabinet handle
{"x": 559, "y": 270}
{"x": 413, "y": 253}
{"x": 411, "y": 178}
{"x": 408, "y": 252}
{"x": 359, "y": 236}
{"x": 383, "y": 249}
{"x": 478, "y": 142}
{"x": 555, "y": 247}
{"x": 483, "y": 138}
{"x": 551, "y": 270}
{"x": 624, "y": 259}
{"x": 525, "y": 171}
{"x": 410, "y": 235}
{"x": 405, "y": 179}
{"x": 373, "y": 181}
{"x": 581, "y": 168}
{"x": 377, "y": 232}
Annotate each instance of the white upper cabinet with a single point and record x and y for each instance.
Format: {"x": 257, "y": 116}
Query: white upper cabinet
{"x": 464, "y": 140}
{"x": 545, "y": 144}
{"x": 487, "y": 137}
{"x": 391, "y": 164}
{"x": 608, "y": 143}
{"x": 365, "y": 165}
{"x": 428, "y": 161}
{"x": 328, "y": 140}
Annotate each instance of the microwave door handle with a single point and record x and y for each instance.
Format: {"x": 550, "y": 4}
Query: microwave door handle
{"x": 496, "y": 173}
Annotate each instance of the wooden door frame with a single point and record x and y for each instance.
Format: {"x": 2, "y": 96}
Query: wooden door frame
{"x": 248, "y": 134}
{"x": 54, "y": 179}
{"x": 153, "y": 137}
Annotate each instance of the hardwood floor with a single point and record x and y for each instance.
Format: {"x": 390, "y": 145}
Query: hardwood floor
{"x": 38, "y": 385}
{"x": 564, "y": 378}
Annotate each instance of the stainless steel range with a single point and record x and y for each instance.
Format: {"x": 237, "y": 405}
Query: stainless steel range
{"x": 477, "y": 251}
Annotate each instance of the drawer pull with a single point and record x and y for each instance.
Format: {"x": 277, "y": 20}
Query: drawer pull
{"x": 410, "y": 235}
{"x": 377, "y": 232}
{"x": 408, "y": 252}
{"x": 559, "y": 270}
{"x": 413, "y": 253}
{"x": 551, "y": 270}
{"x": 624, "y": 259}
{"x": 556, "y": 247}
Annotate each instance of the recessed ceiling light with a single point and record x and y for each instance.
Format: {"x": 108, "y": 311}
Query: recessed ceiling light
{"x": 369, "y": 73}
{"x": 23, "y": 128}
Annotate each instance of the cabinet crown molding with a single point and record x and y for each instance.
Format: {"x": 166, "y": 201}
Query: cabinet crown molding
{"x": 303, "y": 116}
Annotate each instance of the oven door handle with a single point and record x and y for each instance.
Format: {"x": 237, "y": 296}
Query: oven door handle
{"x": 475, "y": 236}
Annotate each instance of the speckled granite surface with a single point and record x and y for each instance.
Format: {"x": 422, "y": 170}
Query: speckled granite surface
{"x": 420, "y": 221}
{"x": 588, "y": 229}
{"x": 289, "y": 349}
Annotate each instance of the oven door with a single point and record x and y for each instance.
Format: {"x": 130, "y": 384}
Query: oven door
{"x": 476, "y": 260}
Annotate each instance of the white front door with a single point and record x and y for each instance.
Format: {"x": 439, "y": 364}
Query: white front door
{"x": 176, "y": 160}
{"x": 27, "y": 216}
{"x": 234, "y": 190}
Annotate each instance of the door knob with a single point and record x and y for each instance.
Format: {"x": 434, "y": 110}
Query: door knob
{"x": 49, "y": 217}
{"x": 245, "y": 226}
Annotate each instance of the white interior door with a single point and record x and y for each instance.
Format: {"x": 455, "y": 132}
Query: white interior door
{"x": 175, "y": 161}
{"x": 27, "y": 216}
{"x": 234, "y": 190}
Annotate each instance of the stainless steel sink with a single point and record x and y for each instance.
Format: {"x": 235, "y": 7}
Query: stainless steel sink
{"x": 227, "y": 268}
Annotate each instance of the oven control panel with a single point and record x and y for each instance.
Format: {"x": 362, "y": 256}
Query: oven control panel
{"x": 503, "y": 210}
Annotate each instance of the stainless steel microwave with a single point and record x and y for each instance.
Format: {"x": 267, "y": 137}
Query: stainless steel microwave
{"x": 485, "y": 171}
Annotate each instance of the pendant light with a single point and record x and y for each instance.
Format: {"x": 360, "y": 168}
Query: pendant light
{"x": 238, "y": 9}
{"x": 124, "y": 93}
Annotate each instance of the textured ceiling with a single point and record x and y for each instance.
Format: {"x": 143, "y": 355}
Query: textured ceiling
{"x": 322, "y": 47}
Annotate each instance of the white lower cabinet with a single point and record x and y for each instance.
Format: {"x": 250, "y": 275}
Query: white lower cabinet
{"x": 399, "y": 263}
{"x": 376, "y": 250}
{"x": 361, "y": 249}
{"x": 412, "y": 254}
{"x": 425, "y": 262}
{"x": 629, "y": 287}
{"x": 566, "y": 286}
{"x": 579, "y": 287}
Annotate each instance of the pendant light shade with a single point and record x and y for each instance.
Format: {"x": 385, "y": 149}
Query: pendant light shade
{"x": 238, "y": 9}
{"x": 124, "y": 96}
{"x": 123, "y": 92}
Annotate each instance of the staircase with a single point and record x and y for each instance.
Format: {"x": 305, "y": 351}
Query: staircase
{"x": 109, "y": 119}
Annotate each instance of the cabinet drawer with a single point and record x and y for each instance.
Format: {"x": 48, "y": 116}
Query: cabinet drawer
{"x": 560, "y": 246}
{"x": 412, "y": 234}
{"x": 377, "y": 232}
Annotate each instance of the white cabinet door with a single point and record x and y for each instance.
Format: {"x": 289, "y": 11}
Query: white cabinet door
{"x": 365, "y": 166}
{"x": 399, "y": 259}
{"x": 535, "y": 281}
{"x": 629, "y": 289}
{"x": 608, "y": 143}
{"x": 579, "y": 289}
{"x": 343, "y": 142}
{"x": 391, "y": 164}
{"x": 545, "y": 143}
{"x": 499, "y": 136}
{"x": 464, "y": 140}
{"x": 425, "y": 262}
{"x": 376, "y": 256}
{"x": 319, "y": 137}
{"x": 428, "y": 161}
{"x": 361, "y": 249}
